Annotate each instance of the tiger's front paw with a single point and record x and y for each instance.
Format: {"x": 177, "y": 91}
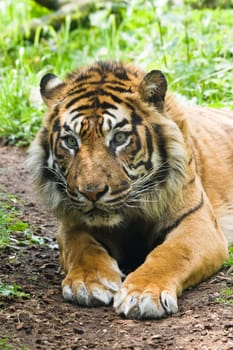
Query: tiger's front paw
{"x": 144, "y": 301}
{"x": 92, "y": 287}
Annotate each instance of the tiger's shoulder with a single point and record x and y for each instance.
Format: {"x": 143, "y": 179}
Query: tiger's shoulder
{"x": 211, "y": 137}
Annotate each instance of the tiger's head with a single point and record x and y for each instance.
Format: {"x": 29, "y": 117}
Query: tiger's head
{"x": 110, "y": 146}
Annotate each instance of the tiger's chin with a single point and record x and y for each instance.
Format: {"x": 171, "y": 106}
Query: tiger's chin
{"x": 99, "y": 218}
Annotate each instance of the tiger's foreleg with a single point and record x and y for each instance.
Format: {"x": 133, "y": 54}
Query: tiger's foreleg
{"x": 194, "y": 250}
{"x": 92, "y": 276}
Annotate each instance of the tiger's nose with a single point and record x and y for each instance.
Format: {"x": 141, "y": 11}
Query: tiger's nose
{"x": 93, "y": 192}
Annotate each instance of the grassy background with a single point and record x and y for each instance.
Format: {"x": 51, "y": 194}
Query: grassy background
{"x": 192, "y": 46}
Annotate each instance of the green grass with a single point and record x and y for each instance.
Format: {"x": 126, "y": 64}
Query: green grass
{"x": 229, "y": 263}
{"x": 13, "y": 231}
{"x": 5, "y": 344}
{"x": 226, "y": 296}
{"x": 193, "y": 47}
{"x": 9, "y": 292}
{"x": 14, "y": 234}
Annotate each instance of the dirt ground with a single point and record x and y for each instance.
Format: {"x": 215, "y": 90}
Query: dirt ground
{"x": 45, "y": 321}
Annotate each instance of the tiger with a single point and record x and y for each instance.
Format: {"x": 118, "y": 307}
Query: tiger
{"x": 140, "y": 183}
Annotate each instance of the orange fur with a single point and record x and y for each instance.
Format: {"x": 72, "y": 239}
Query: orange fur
{"x": 164, "y": 228}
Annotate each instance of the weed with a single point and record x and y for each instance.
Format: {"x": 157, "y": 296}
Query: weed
{"x": 13, "y": 231}
{"x": 8, "y": 291}
{"x": 226, "y": 296}
{"x": 229, "y": 262}
{"x": 5, "y": 345}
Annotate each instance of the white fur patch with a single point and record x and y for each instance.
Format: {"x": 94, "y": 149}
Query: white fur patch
{"x": 116, "y": 268}
{"x": 67, "y": 293}
{"x": 226, "y": 224}
{"x": 96, "y": 294}
{"x": 143, "y": 305}
{"x": 110, "y": 285}
{"x": 100, "y": 291}
{"x": 83, "y": 296}
{"x": 102, "y": 296}
{"x": 169, "y": 303}
{"x": 111, "y": 220}
{"x": 53, "y": 83}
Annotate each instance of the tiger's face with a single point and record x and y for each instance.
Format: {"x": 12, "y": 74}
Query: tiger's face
{"x": 104, "y": 141}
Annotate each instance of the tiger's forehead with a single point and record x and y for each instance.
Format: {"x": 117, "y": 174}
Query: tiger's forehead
{"x": 104, "y": 121}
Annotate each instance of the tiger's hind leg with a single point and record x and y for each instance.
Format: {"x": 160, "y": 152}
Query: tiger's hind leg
{"x": 92, "y": 276}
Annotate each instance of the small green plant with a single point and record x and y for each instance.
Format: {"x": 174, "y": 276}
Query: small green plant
{"x": 13, "y": 231}
{"x": 229, "y": 262}
{"x": 8, "y": 291}
{"x": 226, "y": 296}
{"x": 4, "y": 344}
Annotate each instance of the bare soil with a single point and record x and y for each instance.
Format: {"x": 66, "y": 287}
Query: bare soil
{"x": 45, "y": 321}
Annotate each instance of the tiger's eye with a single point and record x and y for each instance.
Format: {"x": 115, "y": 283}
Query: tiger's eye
{"x": 71, "y": 141}
{"x": 120, "y": 138}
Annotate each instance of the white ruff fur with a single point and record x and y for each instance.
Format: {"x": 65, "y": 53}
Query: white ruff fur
{"x": 226, "y": 224}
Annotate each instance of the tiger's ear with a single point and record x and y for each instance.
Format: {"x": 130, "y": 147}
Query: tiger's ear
{"x": 153, "y": 88}
{"x": 50, "y": 88}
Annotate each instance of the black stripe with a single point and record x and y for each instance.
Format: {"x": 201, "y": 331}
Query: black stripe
{"x": 53, "y": 114}
{"x": 44, "y": 141}
{"x": 81, "y": 108}
{"x": 190, "y": 182}
{"x": 56, "y": 126}
{"x": 79, "y": 97}
{"x": 106, "y": 105}
{"x": 163, "y": 171}
{"x": 114, "y": 97}
{"x": 163, "y": 233}
{"x": 84, "y": 129}
{"x": 76, "y": 117}
{"x": 47, "y": 174}
{"x": 51, "y": 141}
{"x": 78, "y": 89}
{"x": 55, "y": 136}
{"x": 80, "y": 77}
{"x": 88, "y": 83}
{"x": 190, "y": 160}
{"x": 92, "y": 93}
{"x": 99, "y": 128}
{"x": 137, "y": 142}
{"x": 121, "y": 124}
{"x": 146, "y": 164}
{"x": 120, "y": 72}
{"x": 113, "y": 85}
{"x": 149, "y": 143}
{"x": 136, "y": 120}
{"x": 67, "y": 127}
{"x": 110, "y": 114}
{"x": 118, "y": 88}
{"x": 114, "y": 82}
